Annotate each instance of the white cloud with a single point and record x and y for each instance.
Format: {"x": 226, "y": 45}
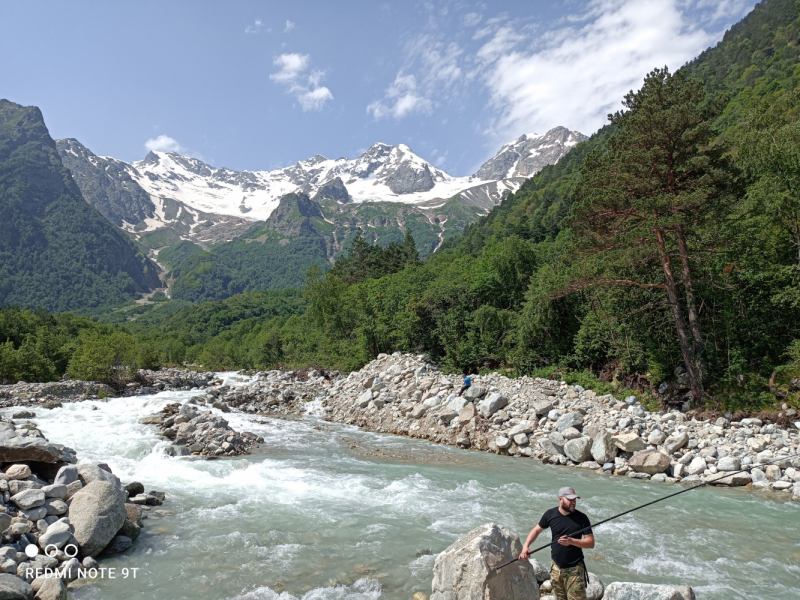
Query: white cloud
{"x": 472, "y": 19}
{"x": 401, "y": 99}
{"x": 574, "y": 76}
{"x": 255, "y": 27}
{"x": 164, "y": 143}
{"x": 289, "y": 26}
{"x": 438, "y": 65}
{"x": 307, "y": 89}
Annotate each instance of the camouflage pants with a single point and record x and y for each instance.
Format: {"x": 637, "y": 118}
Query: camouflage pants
{"x": 569, "y": 583}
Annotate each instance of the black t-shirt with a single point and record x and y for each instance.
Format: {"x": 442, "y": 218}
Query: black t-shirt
{"x": 565, "y": 556}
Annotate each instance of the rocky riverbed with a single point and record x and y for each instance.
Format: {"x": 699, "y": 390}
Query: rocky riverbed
{"x": 58, "y": 518}
{"x": 566, "y": 425}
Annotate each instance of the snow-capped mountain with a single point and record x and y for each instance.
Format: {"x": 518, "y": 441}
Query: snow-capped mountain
{"x": 529, "y": 154}
{"x": 383, "y": 173}
{"x": 206, "y": 203}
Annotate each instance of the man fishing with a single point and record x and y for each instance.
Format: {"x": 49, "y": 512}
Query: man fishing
{"x": 568, "y": 572}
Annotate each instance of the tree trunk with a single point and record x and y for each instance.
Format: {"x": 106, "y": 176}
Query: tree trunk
{"x": 694, "y": 317}
{"x": 680, "y": 323}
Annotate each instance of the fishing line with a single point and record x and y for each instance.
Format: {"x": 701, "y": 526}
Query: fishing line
{"x": 622, "y": 514}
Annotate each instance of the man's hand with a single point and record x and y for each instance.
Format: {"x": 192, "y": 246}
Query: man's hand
{"x": 565, "y": 541}
{"x": 525, "y": 553}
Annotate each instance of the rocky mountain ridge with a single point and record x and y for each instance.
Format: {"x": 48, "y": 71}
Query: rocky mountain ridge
{"x": 206, "y": 204}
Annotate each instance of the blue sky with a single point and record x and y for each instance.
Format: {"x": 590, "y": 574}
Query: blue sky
{"x": 260, "y": 85}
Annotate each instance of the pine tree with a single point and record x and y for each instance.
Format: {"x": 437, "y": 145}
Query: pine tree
{"x": 638, "y": 205}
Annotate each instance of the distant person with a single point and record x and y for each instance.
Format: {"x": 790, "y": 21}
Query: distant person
{"x": 568, "y": 572}
{"x": 467, "y": 383}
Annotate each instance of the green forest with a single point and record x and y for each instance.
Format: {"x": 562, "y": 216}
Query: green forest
{"x": 661, "y": 255}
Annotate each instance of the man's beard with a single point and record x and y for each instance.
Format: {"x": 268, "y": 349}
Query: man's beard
{"x": 569, "y": 508}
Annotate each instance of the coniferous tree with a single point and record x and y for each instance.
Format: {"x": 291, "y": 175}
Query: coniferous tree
{"x": 640, "y": 202}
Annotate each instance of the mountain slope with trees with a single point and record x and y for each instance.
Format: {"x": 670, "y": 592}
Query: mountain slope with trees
{"x": 56, "y": 251}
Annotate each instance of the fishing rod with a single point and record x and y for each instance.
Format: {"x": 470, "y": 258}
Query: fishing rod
{"x": 622, "y": 514}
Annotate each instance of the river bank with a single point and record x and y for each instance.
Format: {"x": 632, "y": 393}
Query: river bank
{"x": 406, "y": 395}
{"x": 58, "y": 517}
{"x": 325, "y": 510}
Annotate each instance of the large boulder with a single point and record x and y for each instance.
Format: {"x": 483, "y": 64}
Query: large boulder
{"x": 604, "y": 449}
{"x": 17, "y": 449}
{"x": 97, "y": 512}
{"x": 491, "y": 404}
{"x": 89, "y": 472}
{"x": 457, "y": 404}
{"x": 466, "y": 570}
{"x": 646, "y": 591}
{"x": 14, "y": 588}
{"x": 649, "y": 461}
{"x": 578, "y": 450}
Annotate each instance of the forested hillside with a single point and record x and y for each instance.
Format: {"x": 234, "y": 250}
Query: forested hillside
{"x": 663, "y": 253}
{"x": 56, "y": 251}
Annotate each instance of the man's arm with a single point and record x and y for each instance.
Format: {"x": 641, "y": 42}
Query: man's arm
{"x": 531, "y": 538}
{"x": 587, "y": 543}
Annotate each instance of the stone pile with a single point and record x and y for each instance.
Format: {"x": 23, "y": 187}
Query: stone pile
{"x": 200, "y": 433}
{"x": 51, "y": 394}
{"x": 57, "y": 517}
{"x": 565, "y": 424}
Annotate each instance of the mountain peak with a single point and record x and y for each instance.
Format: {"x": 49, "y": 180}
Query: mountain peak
{"x": 529, "y": 154}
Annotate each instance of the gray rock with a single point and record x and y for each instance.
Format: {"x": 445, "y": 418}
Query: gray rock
{"x": 14, "y": 588}
{"x": 629, "y": 442}
{"x": 51, "y": 588}
{"x": 474, "y": 392}
{"x": 364, "y": 399}
{"x": 89, "y": 472}
{"x": 119, "y": 543}
{"x": 595, "y": 589}
{"x": 134, "y": 488}
{"x": 550, "y": 448}
{"x": 573, "y": 419}
{"x": 502, "y": 442}
{"x": 66, "y": 475}
{"x": 649, "y": 461}
{"x": 55, "y": 506}
{"x": 729, "y": 463}
{"x": 656, "y": 437}
{"x": 542, "y": 408}
{"x": 418, "y": 412}
{"x": 457, "y": 404}
{"x": 57, "y": 534}
{"x": 5, "y": 521}
{"x": 646, "y": 591}
{"x": 69, "y": 569}
{"x": 676, "y": 441}
{"x": 603, "y": 448}
{"x": 28, "y": 499}
{"x": 57, "y": 490}
{"x": 16, "y": 449}
{"x": 97, "y": 512}
{"x": 697, "y": 466}
{"x": 571, "y": 433}
{"x": 491, "y": 404}
{"x": 578, "y": 450}
{"x": 539, "y": 572}
{"x": 465, "y": 570}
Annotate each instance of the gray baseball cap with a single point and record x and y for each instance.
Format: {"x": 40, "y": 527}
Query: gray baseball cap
{"x": 567, "y": 493}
